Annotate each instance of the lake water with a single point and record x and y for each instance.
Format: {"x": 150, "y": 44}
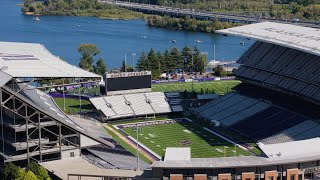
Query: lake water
{"x": 62, "y": 36}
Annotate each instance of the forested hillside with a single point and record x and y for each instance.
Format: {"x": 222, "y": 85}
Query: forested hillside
{"x": 78, "y": 8}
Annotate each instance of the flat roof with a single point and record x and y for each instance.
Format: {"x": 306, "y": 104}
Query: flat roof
{"x": 296, "y": 37}
{"x": 78, "y": 165}
{"x": 292, "y": 149}
{"x": 177, "y": 153}
{"x": 33, "y": 60}
{"x": 233, "y": 162}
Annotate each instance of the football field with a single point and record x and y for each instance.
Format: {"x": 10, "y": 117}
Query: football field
{"x": 203, "y": 143}
{"x": 219, "y": 87}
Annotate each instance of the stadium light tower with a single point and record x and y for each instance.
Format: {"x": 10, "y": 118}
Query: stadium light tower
{"x": 133, "y": 55}
{"x": 138, "y": 129}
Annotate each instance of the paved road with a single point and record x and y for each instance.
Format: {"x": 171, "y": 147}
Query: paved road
{"x": 162, "y": 10}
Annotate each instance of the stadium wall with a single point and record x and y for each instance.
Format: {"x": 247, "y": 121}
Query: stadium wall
{"x": 294, "y": 171}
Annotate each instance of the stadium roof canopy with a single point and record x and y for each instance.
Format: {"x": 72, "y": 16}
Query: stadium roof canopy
{"x": 29, "y": 60}
{"x": 292, "y": 149}
{"x": 4, "y": 78}
{"x": 288, "y": 35}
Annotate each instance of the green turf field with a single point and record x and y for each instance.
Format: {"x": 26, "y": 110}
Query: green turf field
{"x": 219, "y": 87}
{"x": 185, "y": 134}
{"x": 73, "y": 105}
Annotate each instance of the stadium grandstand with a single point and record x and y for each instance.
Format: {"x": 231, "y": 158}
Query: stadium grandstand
{"x": 129, "y": 95}
{"x": 135, "y": 105}
{"x": 276, "y": 106}
{"x": 34, "y": 128}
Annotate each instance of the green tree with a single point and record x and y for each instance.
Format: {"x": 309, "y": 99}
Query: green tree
{"x": 39, "y": 171}
{"x": 130, "y": 68}
{"x": 21, "y": 174}
{"x": 152, "y": 60}
{"x": 123, "y": 66}
{"x": 187, "y": 58}
{"x": 168, "y": 61}
{"x": 198, "y": 60}
{"x": 154, "y": 64}
{"x": 176, "y": 62}
{"x": 9, "y": 171}
{"x": 29, "y": 175}
{"x": 88, "y": 52}
{"x": 161, "y": 61}
{"x": 100, "y": 67}
{"x": 142, "y": 63}
{"x": 219, "y": 71}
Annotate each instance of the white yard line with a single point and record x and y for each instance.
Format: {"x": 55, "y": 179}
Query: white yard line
{"x": 145, "y": 147}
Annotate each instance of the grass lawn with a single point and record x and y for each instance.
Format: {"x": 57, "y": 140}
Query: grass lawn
{"x": 73, "y": 105}
{"x": 185, "y": 134}
{"x": 219, "y": 87}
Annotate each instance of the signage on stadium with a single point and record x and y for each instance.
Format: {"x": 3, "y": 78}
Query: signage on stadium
{"x": 312, "y": 170}
{"x": 128, "y": 74}
{"x": 290, "y": 33}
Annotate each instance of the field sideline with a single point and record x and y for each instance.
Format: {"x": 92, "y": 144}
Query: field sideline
{"x": 203, "y": 143}
{"x": 219, "y": 87}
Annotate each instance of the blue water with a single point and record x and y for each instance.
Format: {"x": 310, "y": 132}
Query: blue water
{"x": 62, "y": 36}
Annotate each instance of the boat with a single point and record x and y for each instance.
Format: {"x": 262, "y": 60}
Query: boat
{"x": 173, "y": 41}
{"x": 36, "y": 18}
{"x": 197, "y": 41}
{"x": 242, "y": 43}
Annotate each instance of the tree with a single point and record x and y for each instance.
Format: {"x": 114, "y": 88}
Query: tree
{"x": 88, "y": 52}
{"x": 130, "y": 68}
{"x": 21, "y": 174}
{"x": 40, "y": 172}
{"x": 154, "y": 64}
{"x": 9, "y": 172}
{"x": 123, "y": 66}
{"x": 100, "y": 68}
{"x": 167, "y": 58}
{"x": 142, "y": 63}
{"x": 161, "y": 61}
{"x": 176, "y": 61}
{"x": 219, "y": 71}
{"x": 152, "y": 60}
{"x": 187, "y": 58}
{"x": 29, "y": 175}
{"x": 200, "y": 60}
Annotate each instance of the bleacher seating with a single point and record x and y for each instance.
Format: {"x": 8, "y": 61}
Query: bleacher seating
{"x": 289, "y": 134}
{"x": 267, "y": 123}
{"x": 139, "y": 104}
{"x": 119, "y": 105}
{"x": 284, "y": 68}
{"x": 230, "y": 109}
{"x": 212, "y": 103}
{"x": 114, "y": 159}
{"x": 245, "y": 113}
{"x": 159, "y": 102}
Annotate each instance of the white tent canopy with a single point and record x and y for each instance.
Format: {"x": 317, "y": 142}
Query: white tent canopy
{"x": 287, "y": 35}
{"x": 29, "y": 60}
{"x": 177, "y": 154}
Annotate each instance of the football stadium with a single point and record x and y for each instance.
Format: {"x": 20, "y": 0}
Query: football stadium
{"x": 262, "y": 125}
